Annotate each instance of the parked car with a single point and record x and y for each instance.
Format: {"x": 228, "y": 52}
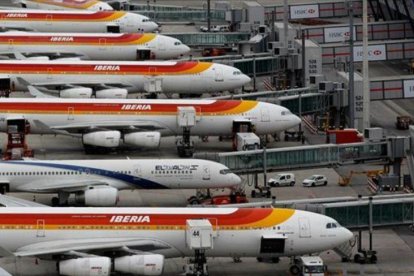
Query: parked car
{"x": 282, "y": 179}
{"x": 315, "y": 180}
{"x": 216, "y": 28}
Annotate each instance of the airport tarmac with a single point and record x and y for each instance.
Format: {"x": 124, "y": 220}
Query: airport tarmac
{"x": 395, "y": 246}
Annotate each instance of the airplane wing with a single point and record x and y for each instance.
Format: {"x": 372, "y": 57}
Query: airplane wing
{"x": 9, "y": 201}
{"x": 90, "y": 246}
{"x": 65, "y": 186}
{"x": 111, "y": 125}
{"x": 46, "y": 55}
{"x": 73, "y": 129}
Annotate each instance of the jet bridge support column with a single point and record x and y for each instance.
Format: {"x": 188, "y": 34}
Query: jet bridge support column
{"x": 185, "y": 120}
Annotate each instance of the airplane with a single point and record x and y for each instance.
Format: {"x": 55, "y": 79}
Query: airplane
{"x": 96, "y": 46}
{"x": 141, "y": 123}
{"x": 94, "y": 5}
{"x": 114, "y": 79}
{"x": 85, "y": 241}
{"x": 75, "y": 21}
{"x": 97, "y": 182}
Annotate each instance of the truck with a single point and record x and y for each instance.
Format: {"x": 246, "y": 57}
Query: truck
{"x": 247, "y": 141}
{"x": 403, "y": 122}
{"x": 344, "y": 136}
{"x": 309, "y": 265}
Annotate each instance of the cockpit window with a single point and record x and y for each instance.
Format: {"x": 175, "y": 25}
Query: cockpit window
{"x": 225, "y": 171}
{"x": 146, "y": 20}
{"x": 235, "y": 73}
{"x": 177, "y": 43}
{"x": 332, "y": 225}
{"x": 286, "y": 112}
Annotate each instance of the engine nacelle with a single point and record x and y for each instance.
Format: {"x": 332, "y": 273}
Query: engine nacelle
{"x": 112, "y": 93}
{"x": 105, "y": 139}
{"x": 93, "y": 266}
{"x": 76, "y": 92}
{"x": 140, "y": 264}
{"x": 149, "y": 139}
{"x": 98, "y": 196}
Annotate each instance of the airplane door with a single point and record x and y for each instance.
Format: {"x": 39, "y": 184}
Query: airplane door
{"x": 137, "y": 171}
{"x": 161, "y": 45}
{"x": 304, "y": 228}
{"x": 11, "y": 44}
{"x": 40, "y": 233}
{"x": 49, "y": 73}
{"x": 219, "y": 74}
{"x": 102, "y": 44}
{"x": 49, "y": 19}
{"x": 206, "y": 173}
{"x": 71, "y": 111}
{"x": 265, "y": 115}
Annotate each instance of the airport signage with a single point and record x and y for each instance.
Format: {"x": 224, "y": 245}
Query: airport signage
{"x": 408, "y": 88}
{"x": 304, "y": 11}
{"x": 375, "y": 52}
{"x": 338, "y": 34}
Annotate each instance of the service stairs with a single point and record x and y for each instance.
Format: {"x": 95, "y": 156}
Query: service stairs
{"x": 345, "y": 250}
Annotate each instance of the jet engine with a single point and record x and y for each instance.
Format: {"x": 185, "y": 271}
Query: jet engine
{"x": 152, "y": 264}
{"x": 149, "y": 139}
{"x": 112, "y": 93}
{"x": 98, "y": 196}
{"x": 106, "y": 139}
{"x": 76, "y": 92}
{"x": 85, "y": 266}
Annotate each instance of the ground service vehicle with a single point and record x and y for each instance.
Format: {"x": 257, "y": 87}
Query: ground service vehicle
{"x": 308, "y": 266}
{"x": 343, "y": 136}
{"x": 282, "y": 179}
{"x": 315, "y": 180}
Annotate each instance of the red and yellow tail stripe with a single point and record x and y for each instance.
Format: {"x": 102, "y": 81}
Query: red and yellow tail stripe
{"x": 243, "y": 218}
{"x": 152, "y": 69}
{"x": 124, "y": 39}
{"x": 99, "y": 16}
{"x": 74, "y": 4}
{"x": 216, "y": 108}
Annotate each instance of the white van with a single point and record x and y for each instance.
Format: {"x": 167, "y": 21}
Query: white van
{"x": 282, "y": 179}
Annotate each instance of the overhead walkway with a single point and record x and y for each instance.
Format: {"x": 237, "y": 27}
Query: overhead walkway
{"x": 377, "y": 51}
{"x": 291, "y": 158}
{"x": 321, "y": 34}
{"x": 311, "y": 100}
{"x": 210, "y": 39}
{"x": 353, "y": 212}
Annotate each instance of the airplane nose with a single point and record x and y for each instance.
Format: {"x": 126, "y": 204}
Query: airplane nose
{"x": 347, "y": 234}
{"x": 236, "y": 180}
{"x": 152, "y": 27}
{"x": 245, "y": 79}
{"x": 185, "y": 49}
{"x": 295, "y": 120}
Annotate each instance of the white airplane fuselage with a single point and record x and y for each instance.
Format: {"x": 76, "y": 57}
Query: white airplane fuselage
{"x": 96, "y": 46}
{"x": 171, "y": 76}
{"x": 213, "y": 118}
{"x": 120, "y": 174}
{"x": 237, "y": 232}
{"x": 76, "y": 21}
{"x": 65, "y": 5}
